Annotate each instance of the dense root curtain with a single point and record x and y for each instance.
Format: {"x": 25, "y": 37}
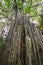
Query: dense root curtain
{"x": 21, "y": 46}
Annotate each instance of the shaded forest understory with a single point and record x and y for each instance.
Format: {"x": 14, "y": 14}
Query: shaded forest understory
{"x": 23, "y": 45}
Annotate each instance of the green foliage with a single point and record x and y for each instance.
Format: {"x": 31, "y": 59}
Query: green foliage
{"x": 1, "y": 24}
{"x": 5, "y": 7}
{"x": 29, "y": 7}
{"x": 41, "y": 22}
{"x": 7, "y": 2}
{"x": 37, "y": 0}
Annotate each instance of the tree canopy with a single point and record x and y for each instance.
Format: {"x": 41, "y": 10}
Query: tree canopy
{"x": 27, "y": 6}
{"x": 31, "y": 8}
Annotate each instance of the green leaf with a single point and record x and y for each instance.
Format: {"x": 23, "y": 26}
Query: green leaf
{"x": 7, "y": 2}
{"x": 38, "y": 0}
{"x": 28, "y": 10}
{"x": 1, "y": 24}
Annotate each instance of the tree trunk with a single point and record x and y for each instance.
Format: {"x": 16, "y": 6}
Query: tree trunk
{"x": 21, "y": 45}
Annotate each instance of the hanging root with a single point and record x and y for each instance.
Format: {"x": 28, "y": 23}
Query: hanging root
{"x": 21, "y": 46}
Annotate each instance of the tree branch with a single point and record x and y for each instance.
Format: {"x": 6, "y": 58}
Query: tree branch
{"x": 37, "y": 4}
{"x": 35, "y": 15}
{"x": 3, "y": 14}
